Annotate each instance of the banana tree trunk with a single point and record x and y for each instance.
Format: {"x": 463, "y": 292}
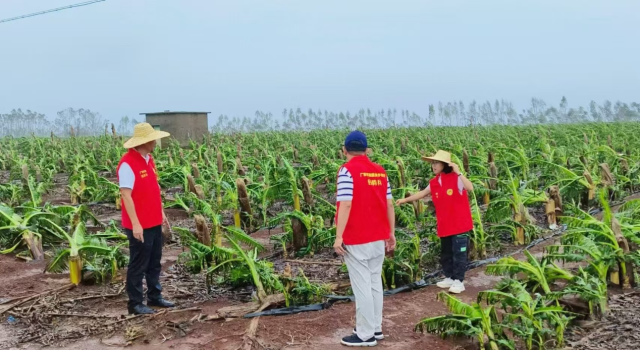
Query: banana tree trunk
{"x": 520, "y": 238}
{"x": 202, "y": 230}
{"x": 245, "y": 203}
{"x": 614, "y": 278}
{"x": 550, "y": 210}
{"x": 34, "y": 243}
{"x": 486, "y": 199}
{"x": 493, "y": 344}
{"x": 75, "y": 269}
{"x": 306, "y": 191}
{"x": 236, "y": 218}
{"x": 300, "y": 234}
{"x": 296, "y": 201}
{"x": 217, "y": 235}
{"x": 472, "y": 254}
{"x": 625, "y": 279}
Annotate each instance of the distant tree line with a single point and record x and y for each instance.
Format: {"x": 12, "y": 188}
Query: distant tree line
{"x": 447, "y": 114}
{"x": 82, "y": 122}
{"x": 85, "y": 122}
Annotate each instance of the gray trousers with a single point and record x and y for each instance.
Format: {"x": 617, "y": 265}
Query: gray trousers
{"x": 364, "y": 262}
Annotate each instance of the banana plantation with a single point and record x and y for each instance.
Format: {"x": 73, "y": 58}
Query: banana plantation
{"x": 557, "y": 230}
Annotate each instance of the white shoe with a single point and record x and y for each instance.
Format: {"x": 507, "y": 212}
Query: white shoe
{"x": 457, "y": 287}
{"x": 445, "y": 283}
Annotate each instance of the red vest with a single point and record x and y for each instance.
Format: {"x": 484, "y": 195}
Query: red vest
{"x": 453, "y": 213}
{"x": 146, "y": 192}
{"x": 368, "y": 220}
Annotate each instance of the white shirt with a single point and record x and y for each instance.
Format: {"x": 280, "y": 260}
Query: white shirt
{"x": 126, "y": 176}
{"x": 460, "y": 184}
{"x": 345, "y": 186}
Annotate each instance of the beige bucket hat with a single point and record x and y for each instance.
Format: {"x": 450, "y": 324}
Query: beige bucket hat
{"x": 440, "y": 156}
{"x": 143, "y": 133}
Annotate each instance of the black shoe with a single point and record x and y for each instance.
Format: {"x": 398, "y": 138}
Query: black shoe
{"x": 353, "y": 340}
{"x": 377, "y": 335}
{"x": 160, "y": 303}
{"x": 140, "y": 309}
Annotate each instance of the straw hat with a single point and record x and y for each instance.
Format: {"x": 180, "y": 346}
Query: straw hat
{"x": 143, "y": 133}
{"x": 440, "y": 156}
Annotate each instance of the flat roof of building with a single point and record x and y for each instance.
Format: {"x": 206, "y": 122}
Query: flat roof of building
{"x": 175, "y": 112}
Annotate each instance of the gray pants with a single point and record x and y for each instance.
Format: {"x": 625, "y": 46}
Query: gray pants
{"x": 364, "y": 262}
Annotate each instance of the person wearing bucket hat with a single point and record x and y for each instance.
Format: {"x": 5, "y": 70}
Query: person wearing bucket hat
{"x": 448, "y": 190}
{"x": 365, "y": 225}
{"x": 142, "y": 218}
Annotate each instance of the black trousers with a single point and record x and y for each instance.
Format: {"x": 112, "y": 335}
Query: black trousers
{"x": 144, "y": 261}
{"x": 453, "y": 256}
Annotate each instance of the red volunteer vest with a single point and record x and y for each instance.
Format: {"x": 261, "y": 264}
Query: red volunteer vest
{"x": 453, "y": 213}
{"x": 146, "y": 192}
{"x": 368, "y": 220}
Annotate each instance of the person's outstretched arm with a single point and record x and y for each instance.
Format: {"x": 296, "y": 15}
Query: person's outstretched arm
{"x": 415, "y": 197}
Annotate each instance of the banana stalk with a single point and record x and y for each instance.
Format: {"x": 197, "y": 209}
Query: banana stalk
{"x": 75, "y": 269}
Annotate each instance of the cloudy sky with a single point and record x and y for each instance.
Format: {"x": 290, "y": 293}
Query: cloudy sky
{"x": 123, "y": 57}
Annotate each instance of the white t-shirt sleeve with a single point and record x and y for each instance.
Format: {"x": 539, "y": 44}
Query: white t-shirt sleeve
{"x": 345, "y": 186}
{"x": 126, "y": 177}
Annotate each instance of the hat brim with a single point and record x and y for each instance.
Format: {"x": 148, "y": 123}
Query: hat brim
{"x": 137, "y": 141}
{"x": 431, "y": 159}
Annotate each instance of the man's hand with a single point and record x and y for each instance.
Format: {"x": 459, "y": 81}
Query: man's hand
{"x": 337, "y": 246}
{"x": 165, "y": 219}
{"x": 390, "y": 244}
{"x": 138, "y": 232}
{"x": 455, "y": 167}
{"x": 401, "y": 201}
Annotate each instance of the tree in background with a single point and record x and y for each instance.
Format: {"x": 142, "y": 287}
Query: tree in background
{"x": 85, "y": 122}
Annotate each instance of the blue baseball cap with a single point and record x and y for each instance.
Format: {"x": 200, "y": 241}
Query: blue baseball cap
{"x": 356, "y": 141}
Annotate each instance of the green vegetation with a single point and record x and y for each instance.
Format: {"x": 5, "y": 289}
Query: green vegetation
{"x": 526, "y": 178}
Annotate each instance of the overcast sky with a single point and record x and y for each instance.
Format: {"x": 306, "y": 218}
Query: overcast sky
{"x": 123, "y": 57}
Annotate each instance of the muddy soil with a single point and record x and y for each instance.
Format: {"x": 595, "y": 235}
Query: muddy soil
{"x": 94, "y": 316}
{"x": 312, "y": 330}
{"x": 59, "y": 193}
{"x": 618, "y": 329}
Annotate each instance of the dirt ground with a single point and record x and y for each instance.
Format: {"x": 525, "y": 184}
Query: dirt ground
{"x": 311, "y": 330}
{"x": 94, "y": 317}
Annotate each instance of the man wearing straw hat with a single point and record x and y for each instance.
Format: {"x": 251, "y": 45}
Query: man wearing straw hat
{"x": 448, "y": 191}
{"x": 142, "y": 218}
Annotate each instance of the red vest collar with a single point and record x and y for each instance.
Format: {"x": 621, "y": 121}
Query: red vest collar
{"x": 135, "y": 151}
{"x": 359, "y": 159}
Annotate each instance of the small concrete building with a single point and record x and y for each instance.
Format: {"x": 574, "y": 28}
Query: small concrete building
{"x": 183, "y": 126}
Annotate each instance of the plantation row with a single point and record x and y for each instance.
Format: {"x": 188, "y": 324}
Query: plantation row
{"x": 526, "y": 179}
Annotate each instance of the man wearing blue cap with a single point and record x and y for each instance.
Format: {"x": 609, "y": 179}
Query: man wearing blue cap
{"x": 365, "y": 221}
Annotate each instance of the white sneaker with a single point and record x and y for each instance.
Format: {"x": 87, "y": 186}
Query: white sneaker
{"x": 445, "y": 283}
{"x": 457, "y": 287}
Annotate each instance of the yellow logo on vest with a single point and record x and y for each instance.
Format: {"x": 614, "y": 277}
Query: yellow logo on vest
{"x": 143, "y": 174}
{"x": 449, "y": 192}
